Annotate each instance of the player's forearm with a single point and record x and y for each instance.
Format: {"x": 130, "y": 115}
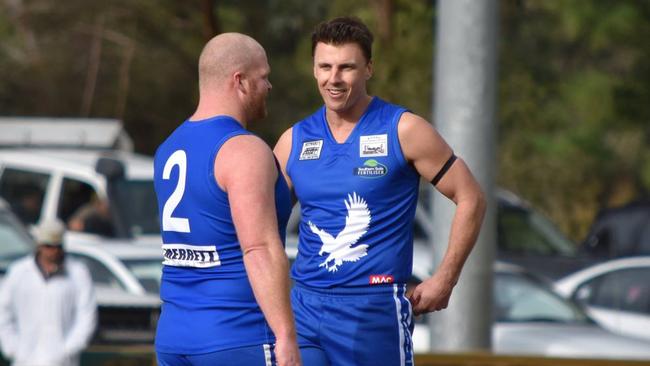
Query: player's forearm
{"x": 464, "y": 231}
{"x": 267, "y": 268}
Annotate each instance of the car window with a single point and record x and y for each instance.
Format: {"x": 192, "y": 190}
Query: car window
{"x": 520, "y": 299}
{"x": 101, "y": 275}
{"x": 24, "y": 191}
{"x": 138, "y": 206}
{"x": 14, "y": 241}
{"x": 148, "y": 272}
{"x": 526, "y": 231}
{"x": 626, "y": 290}
{"x": 74, "y": 194}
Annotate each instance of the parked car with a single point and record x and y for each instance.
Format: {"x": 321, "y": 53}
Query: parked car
{"x": 615, "y": 293}
{"x": 50, "y": 168}
{"x": 528, "y": 238}
{"x": 620, "y": 231}
{"x": 531, "y": 319}
{"x": 127, "y": 286}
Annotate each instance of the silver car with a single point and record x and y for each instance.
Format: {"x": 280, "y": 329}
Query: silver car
{"x": 532, "y": 319}
{"x": 616, "y": 294}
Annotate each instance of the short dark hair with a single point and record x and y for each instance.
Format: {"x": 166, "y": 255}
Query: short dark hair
{"x": 343, "y": 30}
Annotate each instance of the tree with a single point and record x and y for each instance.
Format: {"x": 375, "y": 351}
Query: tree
{"x": 573, "y": 133}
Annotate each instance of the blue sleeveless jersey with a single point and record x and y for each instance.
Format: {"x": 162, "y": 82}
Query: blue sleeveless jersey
{"x": 358, "y": 201}
{"x": 208, "y": 303}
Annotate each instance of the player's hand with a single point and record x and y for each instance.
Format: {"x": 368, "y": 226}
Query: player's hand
{"x": 287, "y": 352}
{"x": 431, "y": 295}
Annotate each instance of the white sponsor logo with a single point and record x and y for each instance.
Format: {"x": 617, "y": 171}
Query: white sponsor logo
{"x": 340, "y": 248}
{"x": 183, "y": 255}
{"x": 373, "y": 145}
{"x": 311, "y": 150}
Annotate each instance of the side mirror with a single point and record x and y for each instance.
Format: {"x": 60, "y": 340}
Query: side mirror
{"x": 111, "y": 168}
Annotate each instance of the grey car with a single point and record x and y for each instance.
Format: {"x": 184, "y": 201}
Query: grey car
{"x": 531, "y": 319}
{"x": 615, "y": 293}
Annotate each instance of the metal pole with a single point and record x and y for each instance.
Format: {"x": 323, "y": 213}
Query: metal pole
{"x": 464, "y": 113}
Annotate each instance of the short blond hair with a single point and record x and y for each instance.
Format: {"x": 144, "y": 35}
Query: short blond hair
{"x": 226, "y": 54}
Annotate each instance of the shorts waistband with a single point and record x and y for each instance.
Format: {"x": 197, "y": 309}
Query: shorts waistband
{"x": 361, "y": 290}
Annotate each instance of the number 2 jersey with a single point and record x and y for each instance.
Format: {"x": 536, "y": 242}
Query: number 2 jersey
{"x": 208, "y": 303}
{"x": 357, "y": 199}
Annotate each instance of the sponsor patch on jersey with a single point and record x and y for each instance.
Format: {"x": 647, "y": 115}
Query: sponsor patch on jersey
{"x": 311, "y": 150}
{"x": 197, "y": 256}
{"x": 371, "y": 169}
{"x": 380, "y": 279}
{"x": 373, "y": 145}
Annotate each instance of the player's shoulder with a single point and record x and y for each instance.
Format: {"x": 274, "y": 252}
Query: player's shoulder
{"x": 286, "y": 137}
{"x": 411, "y": 123}
{"x": 246, "y": 149}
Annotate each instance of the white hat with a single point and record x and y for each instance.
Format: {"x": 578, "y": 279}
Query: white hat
{"x": 49, "y": 232}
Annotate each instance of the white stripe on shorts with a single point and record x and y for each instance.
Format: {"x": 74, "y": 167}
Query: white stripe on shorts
{"x": 408, "y": 320}
{"x": 398, "y": 307}
{"x": 267, "y": 355}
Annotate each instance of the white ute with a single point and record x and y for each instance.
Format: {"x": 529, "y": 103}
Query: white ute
{"x": 50, "y": 167}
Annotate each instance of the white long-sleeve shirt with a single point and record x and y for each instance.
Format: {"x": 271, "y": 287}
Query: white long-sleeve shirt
{"x": 46, "y": 322}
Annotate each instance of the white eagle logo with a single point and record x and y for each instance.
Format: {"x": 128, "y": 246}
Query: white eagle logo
{"x": 340, "y": 248}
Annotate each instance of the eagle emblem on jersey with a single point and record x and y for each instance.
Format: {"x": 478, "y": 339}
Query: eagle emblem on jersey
{"x": 340, "y": 248}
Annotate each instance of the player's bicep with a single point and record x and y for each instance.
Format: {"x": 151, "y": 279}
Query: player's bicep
{"x": 422, "y": 145}
{"x": 246, "y": 168}
{"x": 458, "y": 182}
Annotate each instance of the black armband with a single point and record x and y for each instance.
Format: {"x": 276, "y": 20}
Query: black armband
{"x": 444, "y": 169}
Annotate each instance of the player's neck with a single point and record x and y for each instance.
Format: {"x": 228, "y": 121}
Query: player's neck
{"x": 341, "y": 123}
{"x": 348, "y": 116}
{"x": 209, "y": 107}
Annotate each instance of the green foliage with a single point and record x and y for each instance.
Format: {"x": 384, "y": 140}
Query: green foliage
{"x": 574, "y": 133}
{"x": 573, "y": 97}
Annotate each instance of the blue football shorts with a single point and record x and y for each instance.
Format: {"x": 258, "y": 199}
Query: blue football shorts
{"x": 367, "y": 326}
{"x": 259, "y": 355}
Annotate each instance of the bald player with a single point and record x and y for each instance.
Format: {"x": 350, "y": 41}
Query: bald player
{"x": 223, "y": 211}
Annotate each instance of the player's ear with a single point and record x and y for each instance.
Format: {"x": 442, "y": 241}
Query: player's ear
{"x": 240, "y": 81}
{"x": 369, "y": 70}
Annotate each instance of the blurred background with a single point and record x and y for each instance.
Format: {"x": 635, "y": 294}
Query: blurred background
{"x": 574, "y": 91}
{"x": 573, "y": 127}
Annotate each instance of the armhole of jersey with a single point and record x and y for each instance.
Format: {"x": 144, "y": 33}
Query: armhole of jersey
{"x": 295, "y": 135}
{"x": 212, "y": 185}
{"x": 279, "y": 170}
{"x": 399, "y": 154}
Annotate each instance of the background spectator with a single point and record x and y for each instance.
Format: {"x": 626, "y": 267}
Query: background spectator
{"x": 47, "y": 304}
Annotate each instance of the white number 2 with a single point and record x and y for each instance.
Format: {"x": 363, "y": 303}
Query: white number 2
{"x": 169, "y": 223}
